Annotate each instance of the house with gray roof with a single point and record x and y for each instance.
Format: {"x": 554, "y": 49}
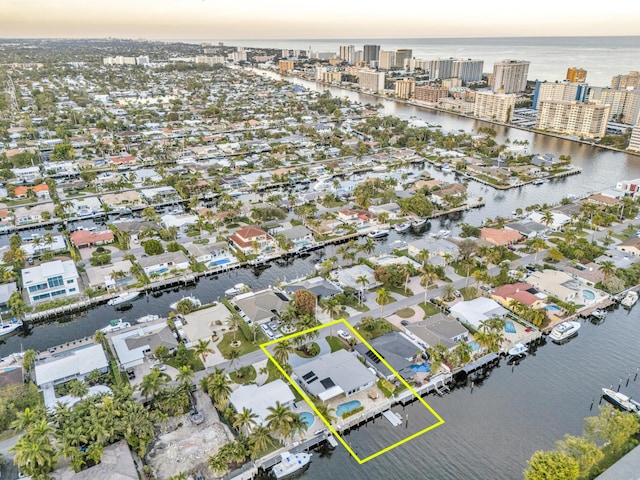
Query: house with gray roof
{"x": 133, "y": 345}
{"x": 320, "y": 287}
{"x": 334, "y": 374}
{"x": 438, "y": 248}
{"x": 299, "y": 235}
{"x": 261, "y": 306}
{"x": 526, "y": 228}
{"x": 396, "y": 349}
{"x": 164, "y": 263}
{"x": 438, "y": 329}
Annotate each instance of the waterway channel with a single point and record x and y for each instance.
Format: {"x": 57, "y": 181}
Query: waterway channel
{"x": 492, "y": 431}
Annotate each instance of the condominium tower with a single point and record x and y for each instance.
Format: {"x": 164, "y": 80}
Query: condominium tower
{"x": 510, "y": 76}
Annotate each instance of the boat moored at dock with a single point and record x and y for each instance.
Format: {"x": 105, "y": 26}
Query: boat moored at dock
{"x": 629, "y": 299}
{"x": 291, "y": 464}
{"x": 564, "y": 331}
{"x": 124, "y": 298}
{"x": 115, "y": 325}
{"x": 620, "y": 400}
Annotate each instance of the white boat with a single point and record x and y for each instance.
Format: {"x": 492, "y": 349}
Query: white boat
{"x": 236, "y": 289}
{"x": 444, "y": 233}
{"x": 148, "y": 318}
{"x": 378, "y": 233}
{"x": 620, "y": 400}
{"x": 537, "y": 182}
{"x": 518, "y": 349}
{"x": 124, "y": 298}
{"x": 291, "y": 463}
{"x": 11, "y": 326}
{"x": 599, "y": 313}
{"x": 196, "y": 302}
{"x": 115, "y": 325}
{"x": 402, "y": 227}
{"x": 564, "y": 330}
{"x": 419, "y": 222}
{"x": 446, "y": 168}
{"x": 629, "y": 299}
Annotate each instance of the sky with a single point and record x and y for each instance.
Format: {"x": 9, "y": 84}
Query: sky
{"x": 326, "y": 19}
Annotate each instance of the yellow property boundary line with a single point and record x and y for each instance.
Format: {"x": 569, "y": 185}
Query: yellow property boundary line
{"x": 326, "y": 422}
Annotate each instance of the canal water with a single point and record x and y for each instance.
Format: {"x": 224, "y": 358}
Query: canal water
{"x": 492, "y": 431}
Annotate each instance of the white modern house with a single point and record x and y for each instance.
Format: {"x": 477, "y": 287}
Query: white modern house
{"x": 164, "y": 263}
{"x": 51, "y": 280}
{"x": 259, "y": 399}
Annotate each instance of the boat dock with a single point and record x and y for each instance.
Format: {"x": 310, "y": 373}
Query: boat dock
{"x": 395, "y": 419}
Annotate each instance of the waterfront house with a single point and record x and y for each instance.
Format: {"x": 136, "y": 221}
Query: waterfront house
{"x": 261, "y": 306}
{"x": 438, "y": 329}
{"x": 396, "y": 349}
{"x": 519, "y": 292}
{"x": 631, "y": 246}
{"x": 133, "y": 346}
{"x": 128, "y": 199}
{"x": 392, "y": 210}
{"x": 164, "y": 263}
{"x": 347, "y": 277}
{"x": 589, "y": 273}
{"x": 109, "y": 277}
{"x": 200, "y": 325}
{"x": 39, "y": 244}
{"x": 555, "y": 283}
{"x": 320, "y": 287}
{"x": 180, "y": 221}
{"x": 334, "y": 374}
{"x": 440, "y": 250}
{"x": 86, "y": 238}
{"x": 41, "y": 191}
{"x": 26, "y": 175}
{"x": 252, "y": 239}
{"x": 477, "y": 311}
{"x": 445, "y": 191}
{"x": 51, "y": 281}
{"x": 559, "y": 220}
{"x": 164, "y": 194}
{"x": 85, "y": 207}
{"x": 6, "y": 289}
{"x": 258, "y": 399}
{"x": 299, "y": 235}
{"x": 526, "y": 228}
{"x": 500, "y": 236}
{"x": 33, "y": 213}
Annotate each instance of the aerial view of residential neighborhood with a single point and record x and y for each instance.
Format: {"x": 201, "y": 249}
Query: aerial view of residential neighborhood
{"x": 237, "y": 261}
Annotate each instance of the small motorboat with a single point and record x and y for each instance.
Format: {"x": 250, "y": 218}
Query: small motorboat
{"x": 124, "y": 298}
{"x": 148, "y": 318}
{"x": 196, "y": 302}
{"x": 599, "y": 313}
{"x": 518, "y": 349}
{"x": 378, "y": 233}
{"x": 629, "y": 299}
{"x": 291, "y": 463}
{"x": 418, "y": 222}
{"x": 236, "y": 289}
{"x": 564, "y": 331}
{"x": 115, "y": 325}
{"x": 402, "y": 227}
{"x": 620, "y": 400}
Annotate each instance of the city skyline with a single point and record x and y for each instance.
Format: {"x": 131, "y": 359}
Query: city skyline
{"x": 285, "y": 19}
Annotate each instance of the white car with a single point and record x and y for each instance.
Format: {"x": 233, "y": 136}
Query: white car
{"x": 344, "y": 335}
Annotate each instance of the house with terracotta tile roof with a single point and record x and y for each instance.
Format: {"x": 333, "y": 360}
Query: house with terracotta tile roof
{"x": 250, "y": 236}
{"x": 500, "y": 236}
{"x": 519, "y": 292}
{"x": 631, "y": 246}
{"x": 40, "y": 191}
{"x": 85, "y": 238}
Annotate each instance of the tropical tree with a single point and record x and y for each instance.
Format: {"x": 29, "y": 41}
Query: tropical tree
{"x": 608, "y": 268}
{"x": 78, "y": 389}
{"x": 202, "y": 349}
{"x": 612, "y": 426}
{"x": 185, "y": 375}
{"x": 583, "y": 450}
{"x": 383, "y": 298}
{"x": 423, "y": 256}
{"x": 245, "y": 421}
{"x": 259, "y": 439}
{"x": 153, "y": 383}
{"x": 233, "y": 320}
{"x": 218, "y": 386}
{"x": 552, "y": 466}
{"x": 35, "y": 454}
{"x": 363, "y": 281}
{"x": 279, "y": 419}
{"x": 282, "y": 350}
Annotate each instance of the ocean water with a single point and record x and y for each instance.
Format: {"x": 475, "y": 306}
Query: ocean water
{"x": 602, "y": 57}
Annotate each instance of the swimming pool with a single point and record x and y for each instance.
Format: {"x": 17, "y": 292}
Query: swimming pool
{"x": 222, "y": 261}
{"x": 588, "y": 294}
{"x": 347, "y": 407}
{"x": 307, "y": 418}
{"x": 555, "y": 308}
{"x": 474, "y": 345}
{"x": 509, "y": 327}
{"x": 423, "y": 367}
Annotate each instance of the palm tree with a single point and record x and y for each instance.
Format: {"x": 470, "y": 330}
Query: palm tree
{"x": 234, "y": 354}
{"x": 368, "y": 246}
{"x": 331, "y": 306}
{"x": 463, "y": 351}
{"x": 383, "y": 298}
{"x": 297, "y": 425}
{"x": 427, "y": 276}
{"x": 233, "y": 320}
{"x": 363, "y": 281}
{"x": 26, "y": 419}
{"x": 78, "y": 389}
{"x": 538, "y": 244}
{"x": 245, "y": 421}
{"x": 34, "y": 453}
{"x": 326, "y": 412}
{"x": 279, "y": 419}
{"x": 608, "y": 268}
{"x": 449, "y": 292}
{"x": 282, "y": 350}
{"x": 185, "y": 375}
{"x": 260, "y": 439}
{"x": 202, "y": 349}
{"x": 152, "y": 383}
{"x": 423, "y": 256}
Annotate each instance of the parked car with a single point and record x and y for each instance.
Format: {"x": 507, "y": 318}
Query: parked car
{"x": 404, "y": 322}
{"x": 344, "y": 335}
{"x": 159, "y": 366}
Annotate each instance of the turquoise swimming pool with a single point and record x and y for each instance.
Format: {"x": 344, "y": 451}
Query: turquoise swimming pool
{"x": 423, "y": 367}
{"x": 347, "y": 407}
{"x": 307, "y": 418}
{"x": 555, "y": 308}
{"x": 588, "y": 294}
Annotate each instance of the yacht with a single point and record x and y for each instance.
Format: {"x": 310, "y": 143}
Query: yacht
{"x": 291, "y": 463}
{"x": 599, "y": 313}
{"x": 115, "y": 325}
{"x": 402, "y": 227}
{"x": 518, "y": 349}
{"x": 124, "y": 298}
{"x": 10, "y": 326}
{"x": 564, "y": 331}
{"x": 378, "y": 233}
{"x": 620, "y": 400}
{"x": 629, "y": 299}
{"x": 236, "y": 289}
{"x": 418, "y": 222}
{"x": 148, "y": 318}
{"x": 196, "y": 302}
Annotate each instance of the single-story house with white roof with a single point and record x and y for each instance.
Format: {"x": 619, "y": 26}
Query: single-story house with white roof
{"x": 259, "y": 399}
{"x": 478, "y": 310}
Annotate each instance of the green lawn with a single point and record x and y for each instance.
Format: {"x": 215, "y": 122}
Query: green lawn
{"x": 244, "y": 375}
{"x": 400, "y": 291}
{"x": 335, "y": 343}
{"x": 195, "y": 362}
{"x": 429, "y": 309}
{"x": 406, "y": 312}
{"x": 245, "y": 347}
{"x": 381, "y": 327}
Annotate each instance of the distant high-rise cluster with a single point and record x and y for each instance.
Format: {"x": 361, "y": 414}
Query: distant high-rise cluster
{"x": 120, "y": 60}
{"x": 629, "y": 82}
{"x": 510, "y": 76}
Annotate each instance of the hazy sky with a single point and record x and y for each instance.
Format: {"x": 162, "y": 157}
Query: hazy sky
{"x": 275, "y": 19}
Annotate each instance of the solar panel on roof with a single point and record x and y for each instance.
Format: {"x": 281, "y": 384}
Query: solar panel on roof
{"x": 327, "y": 383}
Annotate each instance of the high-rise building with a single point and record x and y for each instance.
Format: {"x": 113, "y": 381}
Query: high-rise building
{"x": 215, "y": 60}
{"x": 625, "y": 104}
{"x": 576, "y": 75}
{"x": 347, "y": 53}
{"x": 634, "y": 141}
{"x": 402, "y": 55}
{"x": 467, "y": 70}
{"x": 494, "y": 106}
{"x": 358, "y": 57}
{"x": 440, "y": 68}
{"x": 558, "y": 91}
{"x": 414, "y": 64}
{"x": 573, "y": 118}
{"x": 371, "y": 53}
{"x": 629, "y": 82}
{"x": 387, "y": 60}
{"x": 405, "y": 88}
{"x": 371, "y": 80}
{"x": 510, "y": 76}
{"x": 428, "y": 93}
{"x": 285, "y": 66}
